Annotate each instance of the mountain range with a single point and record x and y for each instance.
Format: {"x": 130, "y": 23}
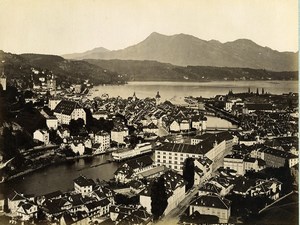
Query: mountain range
{"x": 187, "y": 50}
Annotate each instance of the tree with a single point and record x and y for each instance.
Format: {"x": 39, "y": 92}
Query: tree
{"x": 126, "y": 200}
{"x": 159, "y": 198}
{"x": 189, "y": 173}
{"x": 9, "y": 144}
{"x": 75, "y": 126}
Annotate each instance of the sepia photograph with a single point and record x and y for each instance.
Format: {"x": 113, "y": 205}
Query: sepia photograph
{"x": 137, "y": 112}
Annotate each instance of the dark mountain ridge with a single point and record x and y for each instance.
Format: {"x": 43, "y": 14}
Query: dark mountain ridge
{"x": 184, "y": 50}
{"x": 155, "y": 71}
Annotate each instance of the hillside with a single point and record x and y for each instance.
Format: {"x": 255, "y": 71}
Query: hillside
{"x": 72, "y": 69}
{"x": 68, "y": 71}
{"x": 156, "y": 71}
{"x": 184, "y": 50}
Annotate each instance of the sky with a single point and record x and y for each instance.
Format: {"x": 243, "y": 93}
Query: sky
{"x": 68, "y": 26}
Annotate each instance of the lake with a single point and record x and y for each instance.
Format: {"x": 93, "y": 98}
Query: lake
{"x": 176, "y": 91}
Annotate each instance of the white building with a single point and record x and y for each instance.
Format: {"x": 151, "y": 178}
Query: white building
{"x": 174, "y": 126}
{"x": 212, "y": 205}
{"x": 41, "y": 135}
{"x": 77, "y": 148}
{"x": 203, "y": 169}
{"x": 103, "y": 138}
{"x": 65, "y": 111}
{"x": 83, "y": 185}
{"x": 199, "y": 123}
{"x": 185, "y": 125}
{"x": 172, "y": 155}
{"x": 52, "y": 122}
{"x": 228, "y": 105}
{"x": 235, "y": 162}
{"x": 118, "y": 134}
{"x": 53, "y": 103}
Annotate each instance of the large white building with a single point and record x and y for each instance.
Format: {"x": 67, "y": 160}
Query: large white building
{"x": 103, "y": 138}
{"x": 235, "y": 162}
{"x": 241, "y": 164}
{"x": 172, "y": 155}
{"x": 213, "y": 205}
{"x": 65, "y": 111}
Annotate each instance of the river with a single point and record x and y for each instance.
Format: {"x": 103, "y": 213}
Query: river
{"x": 60, "y": 177}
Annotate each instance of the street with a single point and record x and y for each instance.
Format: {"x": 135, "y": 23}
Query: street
{"x": 173, "y": 216}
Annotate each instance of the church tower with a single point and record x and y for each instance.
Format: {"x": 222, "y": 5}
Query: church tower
{"x": 3, "y": 78}
{"x": 157, "y": 98}
{"x": 134, "y": 97}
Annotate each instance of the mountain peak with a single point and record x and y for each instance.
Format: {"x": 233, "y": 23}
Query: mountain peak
{"x": 244, "y": 41}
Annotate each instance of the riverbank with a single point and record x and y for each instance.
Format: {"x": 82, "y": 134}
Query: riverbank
{"x": 57, "y": 162}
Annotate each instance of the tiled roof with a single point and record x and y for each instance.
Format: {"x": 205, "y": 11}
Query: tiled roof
{"x": 259, "y": 106}
{"x": 278, "y": 153}
{"x": 243, "y": 184}
{"x": 83, "y": 181}
{"x": 212, "y": 188}
{"x": 212, "y": 201}
{"x": 201, "y": 148}
{"x": 53, "y": 194}
{"x": 66, "y": 107}
{"x": 139, "y": 162}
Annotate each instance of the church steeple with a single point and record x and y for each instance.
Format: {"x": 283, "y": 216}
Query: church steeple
{"x": 157, "y": 98}
{"x": 134, "y": 97}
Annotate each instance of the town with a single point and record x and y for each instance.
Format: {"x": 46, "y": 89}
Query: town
{"x": 171, "y": 165}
